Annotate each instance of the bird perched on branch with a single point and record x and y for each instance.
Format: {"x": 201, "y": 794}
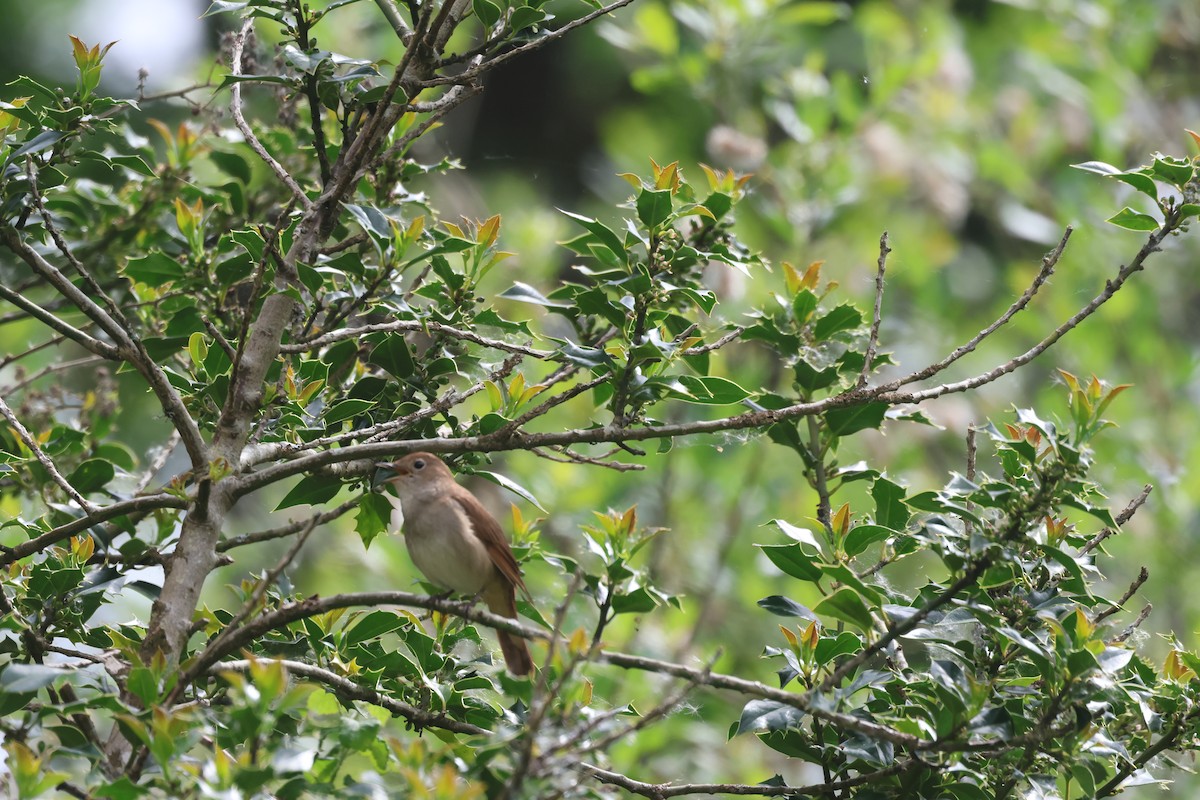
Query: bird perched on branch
{"x": 455, "y": 542}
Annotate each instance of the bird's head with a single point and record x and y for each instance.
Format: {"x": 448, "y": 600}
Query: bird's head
{"x": 411, "y": 472}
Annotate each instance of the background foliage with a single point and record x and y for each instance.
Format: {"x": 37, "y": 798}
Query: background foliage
{"x": 950, "y": 125}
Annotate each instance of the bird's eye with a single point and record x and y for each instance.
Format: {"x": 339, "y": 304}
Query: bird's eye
{"x": 419, "y": 464}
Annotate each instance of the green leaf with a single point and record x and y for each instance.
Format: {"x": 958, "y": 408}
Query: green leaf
{"x": 312, "y": 489}
{"x": 347, "y": 409}
{"x": 1098, "y": 167}
{"x": 768, "y": 715}
{"x": 803, "y": 304}
{"x": 846, "y": 605}
{"x": 373, "y": 517}
{"x": 801, "y": 535}
{"x": 374, "y": 625}
{"x": 525, "y": 17}
{"x": 154, "y": 270}
{"x": 393, "y": 354}
{"x": 1143, "y": 183}
{"x": 372, "y": 221}
{"x": 512, "y": 486}
{"x": 1175, "y": 171}
{"x": 712, "y": 390}
{"x": 144, "y": 684}
{"x": 861, "y": 537}
{"x": 890, "y": 510}
{"x": 851, "y": 419}
{"x": 1131, "y": 220}
{"x": 654, "y": 207}
{"x": 527, "y": 294}
{"x": 603, "y": 234}
{"x": 91, "y": 475}
{"x": 18, "y": 678}
{"x": 584, "y": 356}
{"x": 781, "y": 606}
{"x": 487, "y": 11}
{"x": 122, "y": 788}
{"x": 118, "y": 454}
{"x": 792, "y": 560}
{"x": 639, "y": 601}
{"x": 844, "y": 644}
{"x": 43, "y": 141}
{"x": 842, "y": 318}
{"x": 231, "y": 164}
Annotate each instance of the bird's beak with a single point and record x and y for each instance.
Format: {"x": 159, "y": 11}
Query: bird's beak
{"x": 384, "y": 473}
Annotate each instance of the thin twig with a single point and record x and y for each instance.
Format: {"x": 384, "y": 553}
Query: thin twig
{"x": 239, "y": 119}
{"x": 89, "y": 343}
{"x": 146, "y": 502}
{"x": 492, "y": 63}
{"x": 876, "y": 317}
{"x": 701, "y": 349}
{"x": 44, "y": 460}
{"x": 544, "y": 694}
{"x": 309, "y": 345}
{"x": 219, "y": 337}
{"x": 348, "y": 689}
{"x": 452, "y": 100}
{"x": 289, "y": 529}
{"x": 1133, "y": 626}
{"x": 392, "y": 15}
{"x": 570, "y": 457}
{"x": 1049, "y": 262}
{"x": 660, "y": 791}
{"x": 1143, "y": 576}
{"x": 61, "y": 243}
{"x": 1125, "y": 515}
{"x": 50, "y": 369}
{"x": 129, "y": 347}
{"x": 662, "y": 709}
{"x": 158, "y": 462}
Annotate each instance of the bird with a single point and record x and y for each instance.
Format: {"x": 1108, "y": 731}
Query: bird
{"x": 455, "y": 542}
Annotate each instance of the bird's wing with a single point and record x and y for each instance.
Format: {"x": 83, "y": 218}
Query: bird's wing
{"x": 488, "y": 530}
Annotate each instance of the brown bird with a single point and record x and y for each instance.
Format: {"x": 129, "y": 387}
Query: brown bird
{"x": 456, "y": 543}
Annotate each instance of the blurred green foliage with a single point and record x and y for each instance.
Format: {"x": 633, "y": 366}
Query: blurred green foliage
{"x": 952, "y": 125}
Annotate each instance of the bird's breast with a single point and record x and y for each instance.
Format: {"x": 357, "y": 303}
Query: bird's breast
{"x": 441, "y": 542}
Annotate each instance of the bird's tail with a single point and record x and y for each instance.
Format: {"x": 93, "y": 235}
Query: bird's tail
{"x": 503, "y": 601}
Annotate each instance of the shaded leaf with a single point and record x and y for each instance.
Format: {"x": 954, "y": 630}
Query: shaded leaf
{"x": 851, "y": 419}
{"x": 91, "y": 475}
{"x": 846, "y": 605}
{"x": 781, "y": 606}
{"x": 768, "y": 715}
{"x": 312, "y": 489}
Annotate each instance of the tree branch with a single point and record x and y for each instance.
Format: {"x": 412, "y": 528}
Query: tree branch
{"x": 347, "y": 689}
{"x": 491, "y": 63}
{"x": 309, "y": 345}
{"x": 43, "y": 459}
{"x": 147, "y": 502}
{"x": 660, "y": 791}
{"x": 239, "y": 119}
{"x": 877, "y": 315}
{"x": 89, "y": 343}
